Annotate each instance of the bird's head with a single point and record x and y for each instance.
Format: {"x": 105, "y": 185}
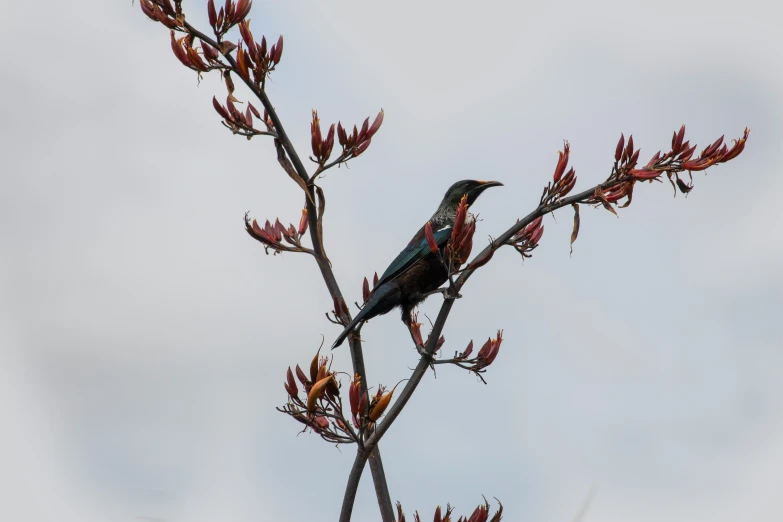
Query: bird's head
{"x": 471, "y": 187}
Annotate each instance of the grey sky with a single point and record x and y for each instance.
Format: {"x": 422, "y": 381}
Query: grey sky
{"x": 145, "y": 337}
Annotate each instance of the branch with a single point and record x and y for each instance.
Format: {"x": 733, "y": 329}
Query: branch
{"x": 619, "y": 184}
{"x": 314, "y": 218}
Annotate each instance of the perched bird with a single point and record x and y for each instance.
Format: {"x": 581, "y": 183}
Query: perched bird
{"x": 417, "y": 272}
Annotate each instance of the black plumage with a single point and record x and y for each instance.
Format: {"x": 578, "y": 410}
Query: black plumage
{"x": 417, "y": 271}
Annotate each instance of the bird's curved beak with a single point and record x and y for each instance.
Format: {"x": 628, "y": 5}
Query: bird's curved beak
{"x": 487, "y": 184}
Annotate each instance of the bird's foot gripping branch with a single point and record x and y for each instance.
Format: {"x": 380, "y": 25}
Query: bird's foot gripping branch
{"x": 437, "y": 254}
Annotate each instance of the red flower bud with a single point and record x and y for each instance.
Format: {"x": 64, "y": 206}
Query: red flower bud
{"x": 619, "y": 150}
{"x": 219, "y": 108}
{"x": 302, "y": 377}
{"x": 179, "y": 52}
{"x": 485, "y": 349}
{"x": 365, "y": 290}
{"x": 353, "y": 394}
{"x": 361, "y": 148}
{"x": 677, "y": 140}
{"x": 416, "y": 333}
{"x": 291, "y": 383}
{"x": 277, "y": 50}
{"x": 536, "y": 236}
{"x": 482, "y": 260}
{"x": 365, "y": 128}
{"x": 209, "y": 52}
{"x": 468, "y": 350}
{"x": 341, "y": 136}
{"x": 644, "y": 174}
{"x": 653, "y": 160}
{"x": 375, "y": 125}
{"x": 242, "y": 10}
{"x": 634, "y": 158}
{"x": 212, "y": 14}
{"x": 562, "y": 162}
{"x": 242, "y": 63}
{"x": 363, "y": 402}
{"x": 430, "y": 238}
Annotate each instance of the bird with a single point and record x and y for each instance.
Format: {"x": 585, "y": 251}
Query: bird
{"x": 417, "y": 271}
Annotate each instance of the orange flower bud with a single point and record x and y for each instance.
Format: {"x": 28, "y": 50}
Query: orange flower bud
{"x": 380, "y": 406}
{"x": 353, "y": 394}
{"x": 316, "y": 392}
{"x": 242, "y": 63}
{"x": 314, "y": 367}
{"x": 303, "y": 221}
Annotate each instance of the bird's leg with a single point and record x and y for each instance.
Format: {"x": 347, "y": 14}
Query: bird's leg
{"x": 447, "y": 292}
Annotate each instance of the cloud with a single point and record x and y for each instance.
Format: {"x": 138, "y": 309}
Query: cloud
{"x": 145, "y": 336}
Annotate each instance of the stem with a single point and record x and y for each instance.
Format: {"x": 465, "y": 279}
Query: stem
{"x": 376, "y": 465}
{"x": 353, "y": 484}
{"x": 381, "y": 487}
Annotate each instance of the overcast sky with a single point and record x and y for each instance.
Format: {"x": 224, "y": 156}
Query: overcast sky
{"x": 144, "y": 337}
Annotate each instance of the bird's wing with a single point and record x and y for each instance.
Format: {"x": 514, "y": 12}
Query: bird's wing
{"x": 416, "y": 250}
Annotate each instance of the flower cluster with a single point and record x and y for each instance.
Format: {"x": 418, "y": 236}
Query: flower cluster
{"x": 415, "y": 328}
{"x": 366, "y": 286}
{"x": 679, "y": 159}
{"x": 461, "y": 241}
{"x": 189, "y": 57}
{"x": 353, "y": 144}
{"x": 477, "y": 365}
{"x": 272, "y": 236}
{"x": 229, "y": 15}
{"x": 480, "y": 514}
{"x": 254, "y": 60}
{"x": 357, "y": 142}
{"x": 366, "y": 409}
{"x": 164, "y": 12}
{"x": 321, "y": 408}
{"x": 562, "y": 182}
{"x": 526, "y": 240}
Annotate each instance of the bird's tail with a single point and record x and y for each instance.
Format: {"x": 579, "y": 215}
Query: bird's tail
{"x": 348, "y": 329}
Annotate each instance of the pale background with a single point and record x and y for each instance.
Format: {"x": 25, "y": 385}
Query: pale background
{"x": 145, "y": 336}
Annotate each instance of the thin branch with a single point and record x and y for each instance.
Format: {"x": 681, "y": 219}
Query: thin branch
{"x": 353, "y": 485}
{"x": 445, "y": 309}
